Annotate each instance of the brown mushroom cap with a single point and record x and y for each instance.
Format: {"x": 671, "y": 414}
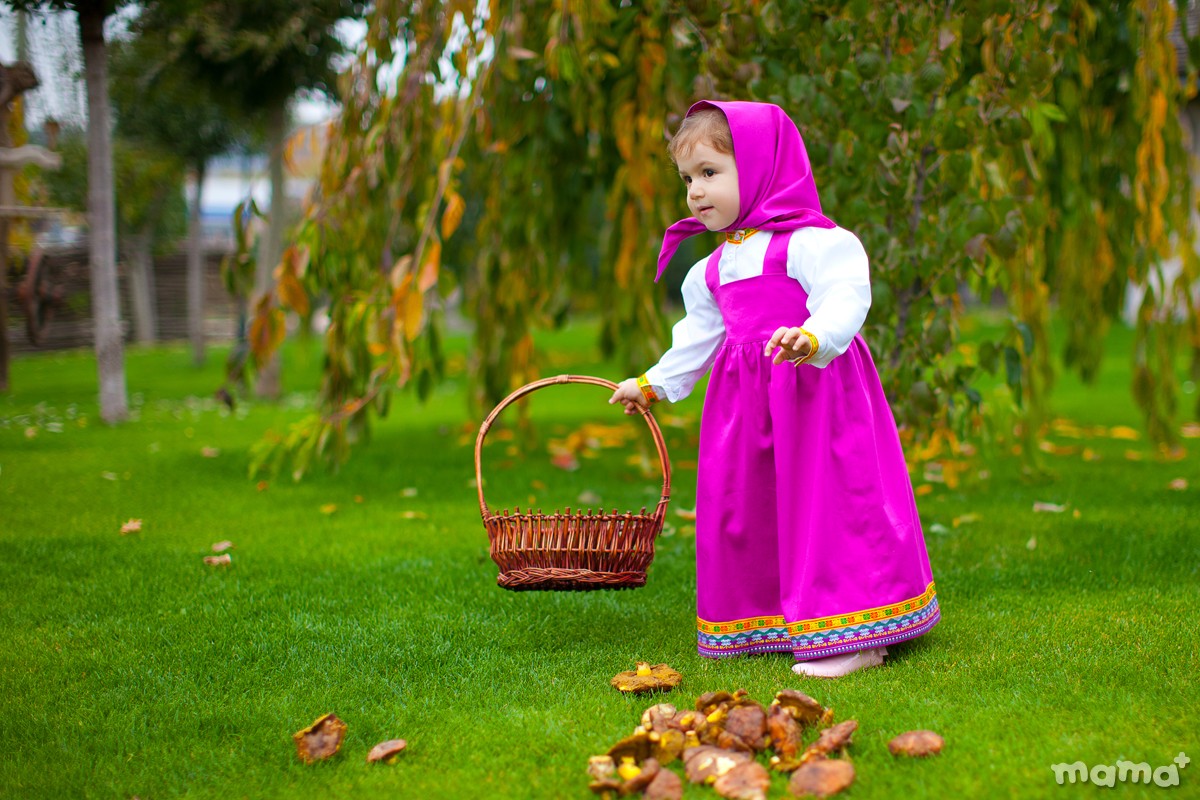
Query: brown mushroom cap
{"x": 707, "y": 762}
{"x": 821, "y": 778}
{"x": 650, "y": 770}
{"x": 749, "y": 781}
{"x": 709, "y": 701}
{"x": 659, "y": 717}
{"x": 787, "y": 737}
{"x": 749, "y": 723}
{"x": 665, "y": 786}
{"x": 803, "y": 708}
{"x": 661, "y": 678}
{"x": 637, "y": 746}
{"x": 917, "y": 743}
{"x": 321, "y": 739}
{"x": 831, "y": 740}
{"x": 386, "y": 751}
{"x": 668, "y": 745}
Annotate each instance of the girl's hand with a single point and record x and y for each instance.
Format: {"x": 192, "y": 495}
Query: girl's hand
{"x": 792, "y": 344}
{"x": 629, "y": 395}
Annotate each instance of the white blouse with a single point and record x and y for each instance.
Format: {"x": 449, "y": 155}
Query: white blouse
{"x": 830, "y": 264}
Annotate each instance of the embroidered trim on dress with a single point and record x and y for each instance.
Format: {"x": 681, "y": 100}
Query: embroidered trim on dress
{"x": 822, "y": 636}
{"x": 741, "y": 235}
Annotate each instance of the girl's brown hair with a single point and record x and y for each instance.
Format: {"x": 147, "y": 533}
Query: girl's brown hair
{"x": 708, "y": 126}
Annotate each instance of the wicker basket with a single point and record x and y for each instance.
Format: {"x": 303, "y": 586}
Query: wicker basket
{"x": 572, "y": 551}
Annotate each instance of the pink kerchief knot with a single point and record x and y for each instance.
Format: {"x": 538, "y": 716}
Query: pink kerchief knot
{"x": 775, "y": 181}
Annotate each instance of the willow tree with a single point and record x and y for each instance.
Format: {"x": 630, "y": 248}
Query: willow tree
{"x": 939, "y": 133}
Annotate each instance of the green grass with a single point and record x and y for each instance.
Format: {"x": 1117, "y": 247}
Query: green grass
{"x": 129, "y": 668}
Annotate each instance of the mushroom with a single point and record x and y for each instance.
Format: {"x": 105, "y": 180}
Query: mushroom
{"x": 637, "y": 746}
{"x": 917, "y": 743}
{"x": 821, "y": 778}
{"x": 803, "y": 708}
{"x": 706, "y": 763}
{"x": 645, "y": 776}
{"x": 710, "y": 701}
{"x": 787, "y": 738}
{"x": 320, "y": 740}
{"x": 387, "y": 751}
{"x": 665, "y": 786}
{"x": 668, "y": 745}
{"x": 831, "y": 739}
{"x": 659, "y": 717}
{"x": 748, "y": 781}
{"x": 601, "y": 767}
{"x": 748, "y": 722}
{"x": 646, "y": 678}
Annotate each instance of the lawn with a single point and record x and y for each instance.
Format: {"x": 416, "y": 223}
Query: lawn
{"x": 131, "y": 668}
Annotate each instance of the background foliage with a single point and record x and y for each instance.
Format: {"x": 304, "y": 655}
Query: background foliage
{"x": 1029, "y": 150}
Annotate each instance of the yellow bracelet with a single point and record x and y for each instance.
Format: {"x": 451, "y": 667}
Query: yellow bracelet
{"x": 647, "y": 389}
{"x": 812, "y": 353}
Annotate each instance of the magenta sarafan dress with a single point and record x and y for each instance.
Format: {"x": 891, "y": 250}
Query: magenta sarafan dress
{"x": 807, "y": 534}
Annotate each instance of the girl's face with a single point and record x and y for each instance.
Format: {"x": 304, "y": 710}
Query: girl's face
{"x": 712, "y": 186}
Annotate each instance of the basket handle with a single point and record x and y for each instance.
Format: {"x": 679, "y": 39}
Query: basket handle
{"x": 655, "y": 431}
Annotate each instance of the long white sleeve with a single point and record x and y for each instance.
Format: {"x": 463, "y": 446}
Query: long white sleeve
{"x": 695, "y": 340}
{"x": 831, "y": 265}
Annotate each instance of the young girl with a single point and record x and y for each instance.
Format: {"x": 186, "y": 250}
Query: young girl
{"x": 807, "y": 536}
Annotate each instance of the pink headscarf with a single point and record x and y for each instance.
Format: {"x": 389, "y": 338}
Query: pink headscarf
{"x": 775, "y": 182}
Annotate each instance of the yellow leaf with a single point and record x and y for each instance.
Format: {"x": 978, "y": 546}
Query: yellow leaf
{"x": 329, "y": 508}
{"x": 452, "y": 216}
{"x": 429, "y": 269}
{"x": 1123, "y": 432}
{"x": 377, "y": 348}
{"x": 413, "y": 308}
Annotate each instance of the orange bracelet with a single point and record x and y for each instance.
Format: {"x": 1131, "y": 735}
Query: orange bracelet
{"x": 812, "y": 353}
{"x": 647, "y": 389}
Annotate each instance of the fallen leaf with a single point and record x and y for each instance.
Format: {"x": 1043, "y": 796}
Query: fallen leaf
{"x": 590, "y": 498}
{"x": 916, "y": 743}
{"x": 685, "y": 513}
{"x": 965, "y": 519}
{"x": 329, "y": 508}
{"x": 358, "y": 498}
{"x": 386, "y": 751}
{"x": 261, "y": 486}
{"x": 1048, "y": 508}
{"x": 646, "y": 678}
{"x": 924, "y": 489}
{"x": 108, "y": 476}
{"x": 1077, "y": 513}
{"x": 1123, "y": 432}
{"x": 132, "y": 526}
{"x": 210, "y": 452}
{"x": 30, "y": 433}
{"x": 1032, "y": 543}
{"x": 408, "y": 491}
{"x": 1133, "y": 455}
{"x": 565, "y": 461}
{"x": 536, "y": 484}
{"x": 320, "y": 740}
{"x": 1090, "y": 455}
{"x": 222, "y": 546}
{"x": 217, "y": 561}
{"x": 821, "y": 778}
{"x": 1179, "y": 484}
{"x": 413, "y": 515}
{"x": 1190, "y": 430}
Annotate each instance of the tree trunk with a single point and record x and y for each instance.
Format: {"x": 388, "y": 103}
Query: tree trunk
{"x": 267, "y": 384}
{"x": 110, "y": 350}
{"x": 195, "y": 274}
{"x": 141, "y": 286}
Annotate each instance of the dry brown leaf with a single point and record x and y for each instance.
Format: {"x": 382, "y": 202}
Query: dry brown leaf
{"x": 222, "y": 546}
{"x": 646, "y": 678}
{"x": 916, "y": 743}
{"x": 707, "y": 763}
{"x": 218, "y": 561}
{"x": 821, "y": 778}
{"x": 132, "y": 526}
{"x": 321, "y": 739}
{"x": 665, "y": 786}
{"x": 749, "y": 781}
{"x": 387, "y": 751}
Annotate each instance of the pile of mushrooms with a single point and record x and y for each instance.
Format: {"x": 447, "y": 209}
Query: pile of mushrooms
{"x": 720, "y": 741}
